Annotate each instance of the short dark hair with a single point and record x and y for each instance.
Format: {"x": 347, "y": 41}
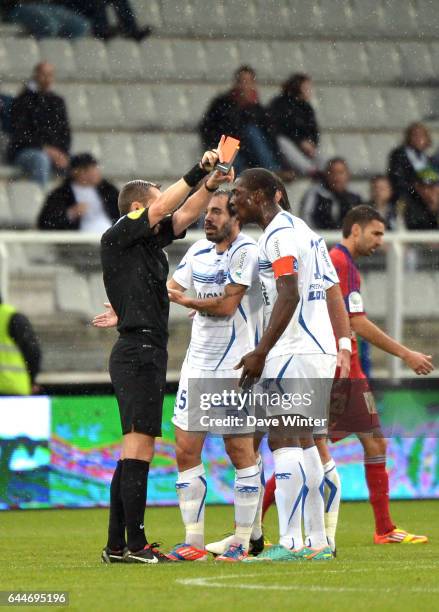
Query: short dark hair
{"x": 336, "y": 160}
{"x": 293, "y": 85}
{"x": 379, "y": 177}
{"x": 82, "y": 160}
{"x": 134, "y": 191}
{"x": 260, "y": 178}
{"x": 362, "y": 215}
{"x": 242, "y": 69}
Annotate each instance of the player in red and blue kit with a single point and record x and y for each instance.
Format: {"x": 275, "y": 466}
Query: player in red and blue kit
{"x": 363, "y": 230}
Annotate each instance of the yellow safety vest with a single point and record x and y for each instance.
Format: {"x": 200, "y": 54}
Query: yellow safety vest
{"x": 14, "y": 377}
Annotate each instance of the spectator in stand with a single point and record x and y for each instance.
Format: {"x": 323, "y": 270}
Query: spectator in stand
{"x": 40, "y": 130}
{"x": 97, "y": 12}
{"x": 85, "y": 201}
{"x": 324, "y": 205}
{"x": 45, "y": 18}
{"x": 5, "y": 112}
{"x": 239, "y": 113}
{"x": 422, "y": 206}
{"x": 382, "y": 198}
{"x": 20, "y": 354}
{"x": 296, "y": 126}
{"x": 408, "y": 159}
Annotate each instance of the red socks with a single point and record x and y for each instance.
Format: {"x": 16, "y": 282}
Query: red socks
{"x": 270, "y": 487}
{"x": 378, "y": 484}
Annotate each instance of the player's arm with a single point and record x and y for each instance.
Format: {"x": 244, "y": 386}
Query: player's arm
{"x": 197, "y": 203}
{"x": 173, "y": 286}
{"x": 286, "y": 303}
{"x": 342, "y": 330}
{"x": 418, "y": 362}
{"x": 222, "y": 306}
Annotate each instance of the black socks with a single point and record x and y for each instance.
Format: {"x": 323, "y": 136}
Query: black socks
{"x": 116, "y": 527}
{"x": 133, "y": 486}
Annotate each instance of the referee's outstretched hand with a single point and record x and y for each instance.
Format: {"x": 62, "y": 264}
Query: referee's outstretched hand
{"x": 107, "y": 318}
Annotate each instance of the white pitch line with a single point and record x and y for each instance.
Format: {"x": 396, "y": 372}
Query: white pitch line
{"x": 218, "y": 583}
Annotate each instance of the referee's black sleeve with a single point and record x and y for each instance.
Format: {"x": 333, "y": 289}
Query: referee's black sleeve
{"x": 165, "y": 233}
{"x": 129, "y": 229}
{"x": 21, "y": 331}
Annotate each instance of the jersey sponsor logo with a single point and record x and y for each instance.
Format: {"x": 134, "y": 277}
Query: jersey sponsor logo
{"x": 265, "y": 294}
{"x": 355, "y": 302}
{"x": 276, "y": 247}
{"x": 135, "y": 214}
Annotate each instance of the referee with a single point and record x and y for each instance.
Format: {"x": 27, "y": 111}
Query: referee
{"x": 135, "y": 271}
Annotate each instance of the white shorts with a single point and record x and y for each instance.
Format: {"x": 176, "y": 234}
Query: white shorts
{"x": 187, "y": 413}
{"x": 299, "y": 385}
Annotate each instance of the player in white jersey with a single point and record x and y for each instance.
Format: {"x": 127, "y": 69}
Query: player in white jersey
{"x": 223, "y": 271}
{"x": 298, "y": 344}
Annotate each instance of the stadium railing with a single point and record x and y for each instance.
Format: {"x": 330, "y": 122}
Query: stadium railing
{"x": 396, "y": 244}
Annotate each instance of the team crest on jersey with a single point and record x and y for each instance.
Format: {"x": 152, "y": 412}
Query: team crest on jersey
{"x": 219, "y": 278}
{"x": 355, "y": 302}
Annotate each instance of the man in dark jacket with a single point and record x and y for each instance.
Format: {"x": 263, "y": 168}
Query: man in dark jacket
{"x": 295, "y": 124}
{"x": 325, "y": 205}
{"x": 40, "y": 130}
{"x": 85, "y": 201}
{"x": 238, "y": 113}
{"x": 422, "y": 206}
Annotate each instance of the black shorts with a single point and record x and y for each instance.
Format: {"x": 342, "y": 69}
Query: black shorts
{"x": 138, "y": 374}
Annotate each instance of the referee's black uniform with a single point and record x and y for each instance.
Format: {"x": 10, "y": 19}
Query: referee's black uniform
{"x": 135, "y": 271}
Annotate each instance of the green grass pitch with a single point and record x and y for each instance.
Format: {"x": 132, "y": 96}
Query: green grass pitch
{"x": 59, "y": 550}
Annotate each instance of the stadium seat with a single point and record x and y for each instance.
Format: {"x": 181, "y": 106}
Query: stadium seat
{"x": 18, "y": 56}
{"x": 295, "y": 192}
{"x": 273, "y": 17}
{"x": 379, "y": 147}
{"x": 257, "y": 54}
{"x": 148, "y": 13}
{"x": 337, "y": 108}
{"x": 75, "y": 97}
{"x": 184, "y": 150}
{"x": 373, "y": 289}
{"x": 124, "y": 60}
{"x": 327, "y": 149}
{"x": 86, "y": 143}
{"x": 353, "y": 148}
{"x": 138, "y": 106}
{"x": 157, "y": 59}
{"x": 319, "y": 60}
{"x": 240, "y": 17}
{"x": 335, "y": 17}
{"x": 268, "y": 93}
{"x": 5, "y": 211}
{"x": 416, "y": 62}
{"x": 384, "y": 62}
{"x": 417, "y": 284}
{"x": 426, "y": 14}
{"x": 401, "y": 107}
{"x": 287, "y": 59}
{"x": 369, "y": 108}
{"x": 399, "y": 19}
{"x": 223, "y": 70}
{"x": 59, "y": 52}
{"x": 427, "y": 103}
{"x": 118, "y": 155}
{"x": 171, "y": 101}
{"x": 367, "y": 20}
{"x": 178, "y": 17}
{"x": 25, "y": 200}
{"x": 97, "y": 292}
{"x": 72, "y": 294}
{"x": 304, "y": 18}
{"x": 189, "y": 60}
{"x": 104, "y": 106}
{"x": 350, "y": 62}
{"x": 91, "y": 59}
{"x": 198, "y": 99}
{"x": 17, "y": 259}
{"x": 153, "y": 158}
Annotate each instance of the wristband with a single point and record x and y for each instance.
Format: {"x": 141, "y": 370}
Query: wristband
{"x": 345, "y": 344}
{"x": 208, "y": 189}
{"x": 194, "y": 176}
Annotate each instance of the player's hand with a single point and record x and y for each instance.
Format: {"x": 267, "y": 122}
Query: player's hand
{"x": 77, "y": 211}
{"x": 107, "y": 318}
{"x": 418, "y": 362}
{"x": 252, "y": 366}
{"x": 218, "y": 178}
{"x": 178, "y": 297}
{"x": 344, "y": 363}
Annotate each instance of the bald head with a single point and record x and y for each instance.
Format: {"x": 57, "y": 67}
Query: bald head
{"x": 44, "y": 75}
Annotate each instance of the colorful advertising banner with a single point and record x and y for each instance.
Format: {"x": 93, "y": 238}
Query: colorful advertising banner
{"x": 61, "y": 452}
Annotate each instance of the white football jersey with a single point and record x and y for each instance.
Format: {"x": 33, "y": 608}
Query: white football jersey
{"x": 292, "y": 247}
{"x": 220, "y": 342}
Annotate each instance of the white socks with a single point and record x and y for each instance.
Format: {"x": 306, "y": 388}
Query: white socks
{"x": 332, "y": 501}
{"x": 314, "y": 507}
{"x": 257, "y": 525}
{"x": 191, "y": 490}
{"x": 247, "y": 488}
{"x": 290, "y": 480}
